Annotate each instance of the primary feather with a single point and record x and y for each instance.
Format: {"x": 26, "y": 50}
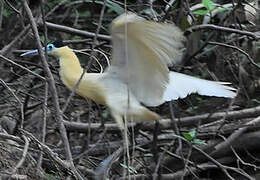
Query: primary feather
{"x": 181, "y": 85}
{"x": 142, "y": 51}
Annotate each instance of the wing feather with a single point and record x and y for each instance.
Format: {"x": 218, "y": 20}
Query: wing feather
{"x": 142, "y": 51}
{"x": 181, "y": 85}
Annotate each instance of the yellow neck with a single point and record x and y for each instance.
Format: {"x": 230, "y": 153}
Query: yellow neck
{"x": 71, "y": 71}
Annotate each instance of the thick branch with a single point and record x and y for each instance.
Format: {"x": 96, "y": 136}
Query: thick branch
{"x": 166, "y": 123}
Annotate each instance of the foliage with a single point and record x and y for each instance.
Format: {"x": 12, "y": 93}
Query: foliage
{"x": 129, "y": 168}
{"x": 191, "y": 136}
{"x": 210, "y": 6}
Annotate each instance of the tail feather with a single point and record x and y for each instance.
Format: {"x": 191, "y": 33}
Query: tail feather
{"x": 181, "y": 85}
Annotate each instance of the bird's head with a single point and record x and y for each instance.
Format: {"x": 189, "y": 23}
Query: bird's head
{"x": 53, "y": 49}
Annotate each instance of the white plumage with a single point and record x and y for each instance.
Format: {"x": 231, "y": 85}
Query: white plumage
{"x": 142, "y": 51}
{"x": 181, "y": 85}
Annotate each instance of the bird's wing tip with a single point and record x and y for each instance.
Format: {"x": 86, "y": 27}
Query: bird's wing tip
{"x": 126, "y": 18}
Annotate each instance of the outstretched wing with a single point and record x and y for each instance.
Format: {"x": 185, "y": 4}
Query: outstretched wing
{"x": 181, "y": 85}
{"x": 142, "y": 51}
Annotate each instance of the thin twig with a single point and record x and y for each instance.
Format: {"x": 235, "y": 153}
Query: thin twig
{"x": 234, "y": 136}
{"x": 11, "y": 137}
{"x": 238, "y": 49}
{"x": 48, "y": 151}
{"x": 22, "y": 67}
{"x": 239, "y": 158}
{"x": 25, "y": 151}
{"x": 222, "y": 167}
{"x": 12, "y": 7}
{"x": 53, "y": 91}
{"x": 70, "y": 30}
{"x": 224, "y": 29}
{"x": 1, "y": 13}
{"x": 7, "y": 47}
{"x": 18, "y": 100}
{"x": 56, "y": 7}
{"x": 44, "y": 123}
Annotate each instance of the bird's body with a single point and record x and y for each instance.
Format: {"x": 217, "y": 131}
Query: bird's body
{"x": 103, "y": 88}
{"x": 142, "y": 51}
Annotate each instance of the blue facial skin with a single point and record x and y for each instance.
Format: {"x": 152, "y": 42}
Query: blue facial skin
{"x": 50, "y": 47}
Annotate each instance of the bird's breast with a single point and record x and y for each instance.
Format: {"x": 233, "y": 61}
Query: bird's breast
{"x": 89, "y": 85}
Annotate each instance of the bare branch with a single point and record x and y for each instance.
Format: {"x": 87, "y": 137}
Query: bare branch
{"x": 224, "y": 29}
{"x": 53, "y": 90}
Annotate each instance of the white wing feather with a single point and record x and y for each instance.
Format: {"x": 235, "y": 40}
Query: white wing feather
{"x": 142, "y": 51}
{"x": 181, "y": 85}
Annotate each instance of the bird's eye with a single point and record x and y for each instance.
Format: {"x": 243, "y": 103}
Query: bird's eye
{"x": 50, "y": 47}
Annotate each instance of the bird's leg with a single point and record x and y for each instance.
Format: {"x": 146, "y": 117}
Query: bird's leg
{"x": 119, "y": 119}
{"x": 126, "y": 140}
{"x": 122, "y": 124}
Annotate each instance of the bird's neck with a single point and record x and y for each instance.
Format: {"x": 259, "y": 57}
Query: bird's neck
{"x": 70, "y": 68}
{"x": 70, "y": 73}
{"x": 69, "y": 62}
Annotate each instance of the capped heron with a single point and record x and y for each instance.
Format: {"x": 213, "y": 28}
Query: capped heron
{"x": 142, "y": 51}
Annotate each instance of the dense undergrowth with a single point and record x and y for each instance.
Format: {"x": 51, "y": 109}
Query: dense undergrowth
{"x": 193, "y": 139}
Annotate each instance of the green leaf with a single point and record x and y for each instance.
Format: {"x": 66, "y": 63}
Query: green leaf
{"x": 201, "y": 12}
{"x": 198, "y": 141}
{"x": 255, "y": 100}
{"x": 208, "y": 4}
{"x": 129, "y": 168}
{"x": 102, "y": 27}
{"x": 187, "y": 136}
{"x": 190, "y": 135}
{"x": 148, "y": 155}
{"x": 6, "y": 12}
{"x": 193, "y": 133}
{"x": 177, "y": 136}
{"x": 42, "y": 37}
{"x": 118, "y": 9}
{"x": 105, "y": 114}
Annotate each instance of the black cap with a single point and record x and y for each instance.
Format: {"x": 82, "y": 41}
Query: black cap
{"x": 59, "y": 43}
